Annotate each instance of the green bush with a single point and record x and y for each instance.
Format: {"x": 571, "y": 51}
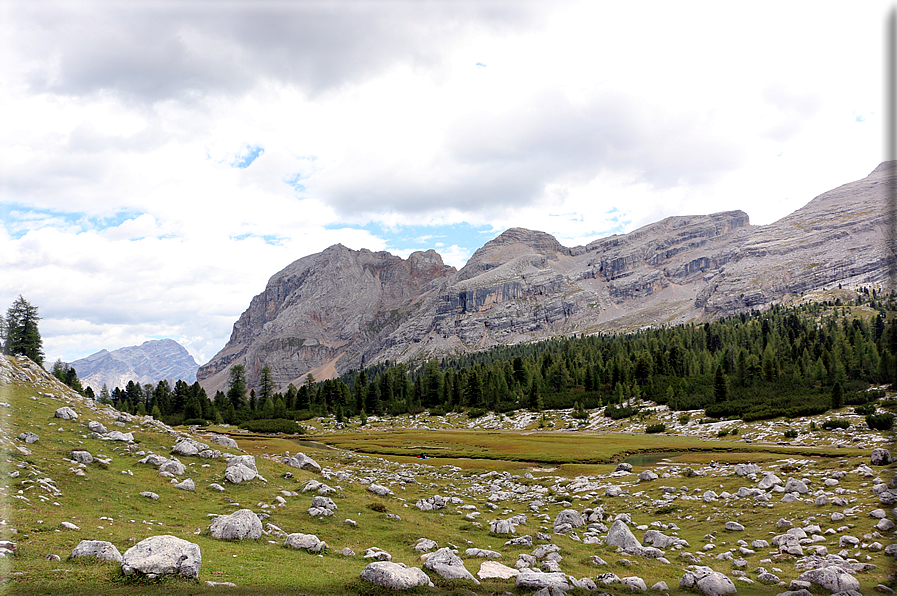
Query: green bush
{"x": 273, "y": 425}
{"x": 722, "y": 433}
{"x": 883, "y": 421}
{"x": 835, "y": 423}
{"x": 196, "y": 422}
{"x": 791, "y": 433}
{"x": 475, "y": 412}
{"x": 656, "y": 428}
{"x": 865, "y": 409}
{"x": 620, "y": 412}
{"x": 684, "y": 418}
{"x": 303, "y": 415}
{"x": 437, "y": 411}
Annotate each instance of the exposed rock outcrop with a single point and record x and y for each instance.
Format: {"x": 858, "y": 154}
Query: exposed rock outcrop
{"x": 343, "y": 309}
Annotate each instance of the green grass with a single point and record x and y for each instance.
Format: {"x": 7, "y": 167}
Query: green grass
{"x": 259, "y": 567}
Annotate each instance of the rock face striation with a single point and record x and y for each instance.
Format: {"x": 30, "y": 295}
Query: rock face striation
{"x": 150, "y": 362}
{"x": 342, "y": 309}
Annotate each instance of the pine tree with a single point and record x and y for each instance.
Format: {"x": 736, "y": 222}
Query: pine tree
{"x": 236, "y": 386}
{"x": 837, "y": 396}
{"x": 720, "y": 388}
{"x": 19, "y": 331}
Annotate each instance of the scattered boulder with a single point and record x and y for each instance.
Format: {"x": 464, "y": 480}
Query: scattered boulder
{"x": 832, "y": 578}
{"x": 881, "y": 457}
{"x": 768, "y": 481}
{"x": 240, "y": 469}
{"x": 172, "y": 466}
{"x": 306, "y": 541}
{"x": 29, "y": 437}
{"x": 708, "y": 581}
{"x": 119, "y": 436}
{"x": 620, "y": 535}
{"x": 301, "y": 461}
{"x": 528, "y": 578}
{"x": 379, "y": 490}
{"x": 647, "y": 476}
{"x": 425, "y": 545}
{"x": 187, "y": 446}
{"x": 448, "y": 565}
{"x": 223, "y": 440}
{"x": 96, "y": 427}
{"x": 746, "y": 469}
{"x": 482, "y": 553}
{"x": 567, "y": 517}
{"x": 395, "y": 576}
{"x": 163, "y": 555}
{"x": 150, "y": 495}
{"x": 239, "y": 525}
{"x": 66, "y": 413}
{"x": 82, "y": 456}
{"x": 495, "y": 570}
{"x": 734, "y": 526}
{"x": 623, "y": 467}
{"x": 96, "y": 548}
{"x": 186, "y": 484}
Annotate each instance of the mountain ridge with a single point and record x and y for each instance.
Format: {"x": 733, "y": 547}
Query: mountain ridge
{"x": 342, "y": 309}
{"x": 150, "y": 362}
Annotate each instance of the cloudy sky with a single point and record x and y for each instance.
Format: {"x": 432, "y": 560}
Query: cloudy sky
{"x": 159, "y": 161}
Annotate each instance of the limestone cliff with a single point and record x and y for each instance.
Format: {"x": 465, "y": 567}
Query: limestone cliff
{"x": 343, "y": 309}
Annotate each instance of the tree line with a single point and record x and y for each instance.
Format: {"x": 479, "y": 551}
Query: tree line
{"x": 790, "y": 361}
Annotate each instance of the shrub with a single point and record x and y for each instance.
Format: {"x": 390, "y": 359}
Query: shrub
{"x": 835, "y": 423}
{"x": 865, "y": 409}
{"x": 684, "y": 418}
{"x": 656, "y": 428}
{"x": 437, "y": 411}
{"x": 883, "y": 421}
{"x": 303, "y": 415}
{"x": 791, "y": 433}
{"x": 734, "y": 431}
{"x": 620, "y": 412}
{"x": 378, "y": 507}
{"x": 273, "y": 425}
{"x": 475, "y": 412}
{"x": 196, "y": 422}
{"x": 722, "y": 433}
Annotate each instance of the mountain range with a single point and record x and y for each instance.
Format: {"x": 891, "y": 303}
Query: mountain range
{"x": 343, "y": 309}
{"x": 150, "y": 362}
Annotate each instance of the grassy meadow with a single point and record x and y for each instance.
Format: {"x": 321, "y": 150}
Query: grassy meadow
{"x": 540, "y": 465}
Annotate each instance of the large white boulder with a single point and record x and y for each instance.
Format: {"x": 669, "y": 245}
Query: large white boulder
{"x": 449, "y": 565}
{"x": 708, "y": 581}
{"x": 395, "y": 576}
{"x": 237, "y": 526}
{"x": 163, "y": 555}
{"x": 96, "y": 548}
{"x": 240, "y": 469}
{"x": 301, "y": 461}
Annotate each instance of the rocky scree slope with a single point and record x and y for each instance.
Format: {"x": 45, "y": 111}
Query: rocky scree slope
{"x": 150, "y": 362}
{"x": 342, "y": 309}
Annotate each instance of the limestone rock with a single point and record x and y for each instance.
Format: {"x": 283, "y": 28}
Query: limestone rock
{"x": 527, "y": 578}
{"x": 832, "y": 578}
{"x": 495, "y": 570}
{"x": 708, "y": 581}
{"x": 880, "y": 457}
{"x": 620, "y": 535}
{"x": 448, "y": 565}
{"x": 306, "y": 541}
{"x": 29, "y": 437}
{"x": 66, "y": 413}
{"x": 303, "y": 462}
{"x": 239, "y": 525}
{"x": 163, "y": 555}
{"x": 240, "y": 469}
{"x": 394, "y": 576}
{"x": 96, "y": 548}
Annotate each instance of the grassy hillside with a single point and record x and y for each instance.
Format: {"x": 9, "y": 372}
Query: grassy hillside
{"x": 500, "y": 473}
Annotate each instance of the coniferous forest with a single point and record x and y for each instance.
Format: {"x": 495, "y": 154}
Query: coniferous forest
{"x": 792, "y": 361}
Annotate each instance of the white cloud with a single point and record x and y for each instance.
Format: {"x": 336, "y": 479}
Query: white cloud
{"x": 124, "y": 216}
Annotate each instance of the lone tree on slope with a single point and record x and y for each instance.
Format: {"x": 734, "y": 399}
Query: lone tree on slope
{"x": 19, "y": 332}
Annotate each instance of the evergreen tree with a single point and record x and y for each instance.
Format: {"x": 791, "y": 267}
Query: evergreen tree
{"x": 720, "y": 387}
{"x": 236, "y": 386}
{"x": 837, "y": 396}
{"x": 20, "y": 334}
{"x": 266, "y": 385}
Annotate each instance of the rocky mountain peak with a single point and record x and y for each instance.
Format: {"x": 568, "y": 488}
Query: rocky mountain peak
{"x": 342, "y": 309}
{"x": 150, "y": 362}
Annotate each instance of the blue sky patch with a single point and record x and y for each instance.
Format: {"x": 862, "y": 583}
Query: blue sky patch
{"x": 20, "y": 219}
{"x": 249, "y": 154}
{"x": 268, "y": 238}
{"x": 424, "y": 237}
